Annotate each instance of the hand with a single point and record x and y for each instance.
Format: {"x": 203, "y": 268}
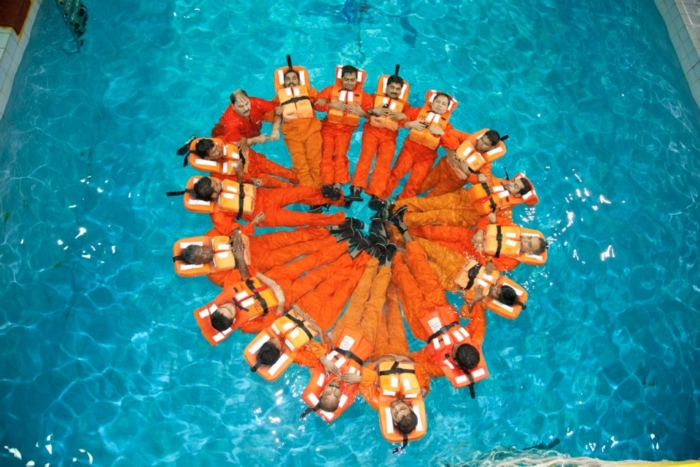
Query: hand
{"x": 336, "y": 106}
{"x": 481, "y": 177}
{"x": 278, "y": 110}
{"x": 354, "y": 109}
{"x": 321, "y": 102}
{"x": 274, "y": 136}
{"x": 329, "y": 366}
{"x": 259, "y": 218}
{"x": 490, "y": 267}
{"x": 436, "y": 130}
{"x": 260, "y": 139}
{"x": 416, "y": 125}
{"x": 258, "y": 182}
{"x": 492, "y": 217}
{"x": 423, "y": 392}
{"x": 351, "y": 378}
{"x": 237, "y": 243}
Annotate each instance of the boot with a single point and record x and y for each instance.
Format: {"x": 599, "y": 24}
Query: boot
{"x": 355, "y": 195}
{"x": 397, "y": 220}
{"x": 377, "y": 204}
{"x": 318, "y": 208}
{"x": 344, "y": 234}
{"x": 390, "y": 253}
{"x": 398, "y": 213}
{"x": 327, "y": 191}
{"x": 376, "y": 227}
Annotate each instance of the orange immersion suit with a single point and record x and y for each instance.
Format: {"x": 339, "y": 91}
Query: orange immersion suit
{"x": 454, "y": 208}
{"x": 232, "y": 127}
{"x": 443, "y": 178}
{"x": 304, "y": 141}
{"x": 336, "y": 141}
{"x": 272, "y": 203}
{"x": 416, "y": 159}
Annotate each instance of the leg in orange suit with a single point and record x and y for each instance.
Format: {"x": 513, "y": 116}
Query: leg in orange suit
{"x": 304, "y": 141}
{"x": 448, "y": 209}
{"x": 272, "y": 203}
{"x": 262, "y": 167}
{"x": 416, "y": 159}
{"x": 382, "y": 142}
{"x": 441, "y": 179}
{"x": 335, "y": 167}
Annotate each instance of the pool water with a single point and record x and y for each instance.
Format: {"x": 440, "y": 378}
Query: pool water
{"x": 101, "y": 359}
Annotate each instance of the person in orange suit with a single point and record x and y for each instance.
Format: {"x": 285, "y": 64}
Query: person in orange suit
{"x": 379, "y": 137}
{"x": 271, "y": 202}
{"x": 345, "y": 103}
{"x": 251, "y": 166}
{"x": 451, "y": 174}
{"x": 424, "y": 301}
{"x": 302, "y": 134}
{"x": 464, "y": 207}
{"x": 242, "y": 120}
{"x": 353, "y": 339}
{"x": 415, "y": 157}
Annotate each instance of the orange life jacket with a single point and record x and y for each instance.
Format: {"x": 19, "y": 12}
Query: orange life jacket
{"x": 352, "y": 349}
{"x": 501, "y": 309}
{"x": 492, "y": 198}
{"x": 294, "y": 100}
{"x": 225, "y": 165}
{"x": 257, "y": 300}
{"x": 472, "y": 274}
{"x": 194, "y": 204}
{"x": 468, "y": 154}
{"x": 446, "y": 331}
{"x": 382, "y": 100}
{"x": 397, "y": 381}
{"x": 425, "y": 137}
{"x": 340, "y": 94}
{"x": 223, "y": 257}
{"x": 237, "y": 197}
{"x": 292, "y": 331}
{"x": 505, "y": 241}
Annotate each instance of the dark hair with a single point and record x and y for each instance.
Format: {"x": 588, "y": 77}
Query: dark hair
{"x": 408, "y": 423}
{"x": 203, "y": 146}
{"x": 493, "y": 136}
{"x": 220, "y": 322}
{"x": 509, "y": 296}
{"x": 268, "y": 354}
{"x": 467, "y": 357}
{"x": 543, "y": 246}
{"x": 189, "y": 254}
{"x": 527, "y": 186}
{"x": 348, "y": 70}
{"x": 449, "y": 98}
{"x": 233, "y": 95}
{"x": 394, "y": 79}
{"x": 290, "y": 70}
{"x": 327, "y": 405}
{"x": 203, "y": 189}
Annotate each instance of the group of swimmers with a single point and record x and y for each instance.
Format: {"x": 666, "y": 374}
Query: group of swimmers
{"x": 449, "y": 230}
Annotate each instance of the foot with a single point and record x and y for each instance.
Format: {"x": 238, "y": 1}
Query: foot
{"x": 397, "y": 220}
{"x": 327, "y": 191}
{"x": 377, "y": 204}
{"x": 398, "y": 213}
{"x": 390, "y": 253}
{"x": 376, "y": 227}
{"x": 344, "y": 234}
{"x": 335, "y": 194}
{"x": 355, "y": 195}
{"x": 318, "y": 208}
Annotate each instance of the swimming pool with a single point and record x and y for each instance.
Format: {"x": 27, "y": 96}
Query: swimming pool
{"x": 99, "y": 349}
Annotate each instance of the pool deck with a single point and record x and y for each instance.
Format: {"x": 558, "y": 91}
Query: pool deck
{"x": 682, "y": 19}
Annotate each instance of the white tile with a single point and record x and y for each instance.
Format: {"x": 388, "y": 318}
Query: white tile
{"x": 11, "y": 45}
{"x": 3, "y": 77}
{"x": 24, "y": 40}
{"x": 5, "y": 61}
{"x": 4, "y": 38}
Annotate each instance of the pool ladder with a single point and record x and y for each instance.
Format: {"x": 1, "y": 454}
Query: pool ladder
{"x": 75, "y": 16}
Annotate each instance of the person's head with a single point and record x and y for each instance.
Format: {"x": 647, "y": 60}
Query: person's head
{"x": 223, "y": 317}
{"x": 268, "y": 354}
{"x": 404, "y": 418}
{"x": 466, "y": 356}
{"x": 394, "y": 84}
{"x": 197, "y": 254}
{"x": 208, "y": 149}
{"x": 207, "y": 188}
{"x": 240, "y": 102}
{"x": 488, "y": 140}
{"x": 505, "y": 294}
{"x": 441, "y": 102}
{"x": 348, "y": 75}
{"x": 532, "y": 245}
{"x": 291, "y": 78}
{"x": 330, "y": 397}
{"x": 518, "y": 186}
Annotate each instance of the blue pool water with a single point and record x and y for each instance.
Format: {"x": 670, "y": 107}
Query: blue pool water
{"x": 101, "y": 356}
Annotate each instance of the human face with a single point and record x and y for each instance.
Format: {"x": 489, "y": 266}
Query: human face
{"x": 349, "y": 81}
{"x": 514, "y": 186}
{"x": 242, "y": 105}
{"x": 495, "y": 290}
{"x": 228, "y": 310}
{"x": 399, "y": 409}
{"x": 215, "y": 153}
{"x": 529, "y": 244}
{"x": 440, "y": 104}
{"x": 291, "y": 78}
{"x": 204, "y": 255}
{"x": 393, "y": 90}
{"x": 332, "y": 390}
{"x": 483, "y": 144}
{"x": 217, "y": 186}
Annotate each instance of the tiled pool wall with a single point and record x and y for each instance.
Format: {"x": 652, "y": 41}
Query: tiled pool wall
{"x": 13, "y": 44}
{"x": 682, "y": 19}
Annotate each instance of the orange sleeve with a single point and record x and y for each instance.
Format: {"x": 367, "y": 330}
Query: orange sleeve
{"x": 412, "y": 113}
{"x": 308, "y": 356}
{"x": 450, "y": 139}
{"x": 367, "y": 102}
{"x": 224, "y": 222}
{"x": 324, "y": 94}
{"x": 477, "y": 325}
{"x": 369, "y": 377}
{"x": 270, "y": 115}
{"x": 371, "y": 395}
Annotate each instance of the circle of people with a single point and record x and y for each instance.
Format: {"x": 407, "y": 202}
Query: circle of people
{"x": 290, "y": 288}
